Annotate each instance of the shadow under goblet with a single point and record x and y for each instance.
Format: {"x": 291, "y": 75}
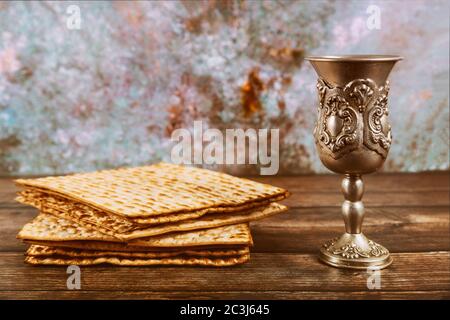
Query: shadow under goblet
{"x": 353, "y": 137}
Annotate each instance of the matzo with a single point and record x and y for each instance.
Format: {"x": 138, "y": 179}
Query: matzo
{"x": 155, "y": 190}
{"x": 206, "y": 222}
{"x": 124, "y": 247}
{"x": 175, "y": 261}
{"x": 41, "y": 251}
{"x": 114, "y": 223}
{"x": 47, "y": 227}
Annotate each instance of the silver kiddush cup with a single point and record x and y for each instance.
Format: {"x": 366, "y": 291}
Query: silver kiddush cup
{"x": 353, "y": 137}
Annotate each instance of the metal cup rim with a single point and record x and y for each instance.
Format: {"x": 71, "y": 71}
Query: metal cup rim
{"x": 355, "y": 58}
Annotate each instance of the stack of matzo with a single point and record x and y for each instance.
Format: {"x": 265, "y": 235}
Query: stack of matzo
{"x": 162, "y": 214}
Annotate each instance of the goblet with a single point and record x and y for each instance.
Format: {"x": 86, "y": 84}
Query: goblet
{"x": 353, "y": 137}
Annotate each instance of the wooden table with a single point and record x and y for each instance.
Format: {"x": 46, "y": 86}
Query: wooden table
{"x": 408, "y": 213}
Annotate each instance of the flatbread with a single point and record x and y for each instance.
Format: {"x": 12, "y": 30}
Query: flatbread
{"x": 125, "y": 247}
{"x": 44, "y": 251}
{"x": 46, "y": 227}
{"x": 114, "y": 223}
{"x": 206, "y": 222}
{"x": 155, "y": 190}
{"x": 173, "y": 261}
{"x": 210, "y": 221}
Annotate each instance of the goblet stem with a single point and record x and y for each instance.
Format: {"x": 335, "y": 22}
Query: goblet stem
{"x": 353, "y": 249}
{"x": 353, "y": 207}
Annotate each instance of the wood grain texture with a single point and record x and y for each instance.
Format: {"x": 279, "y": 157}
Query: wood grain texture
{"x": 408, "y": 213}
{"x": 225, "y": 295}
{"x": 300, "y": 272}
{"x": 303, "y": 230}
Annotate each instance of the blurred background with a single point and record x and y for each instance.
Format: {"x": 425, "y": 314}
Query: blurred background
{"x": 108, "y": 89}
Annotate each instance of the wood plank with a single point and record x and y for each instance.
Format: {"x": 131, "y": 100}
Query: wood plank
{"x": 335, "y": 199}
{"x": 381, "y": 182}
{"x": 407, "y": 229}
{"x": 397, "y": 228}
{"x": 395, "y": 239}
{"x": 223, "y": 295}
{"x": 7, "y": 193}
{"x": 303, "y": 230}
{"x": 370, "y": 199}
{"x": 324, "y": 190}
{"x": 428, "y": 271}
{"x": 331, "y": 217}
{"x": 11, "y": 221}
{"x": 408, "y": 213}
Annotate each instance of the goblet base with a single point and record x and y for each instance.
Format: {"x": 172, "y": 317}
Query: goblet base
{"x": 355, "y": 251}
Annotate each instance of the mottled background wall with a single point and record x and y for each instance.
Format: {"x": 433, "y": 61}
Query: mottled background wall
{"x": 111, "y": 93}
